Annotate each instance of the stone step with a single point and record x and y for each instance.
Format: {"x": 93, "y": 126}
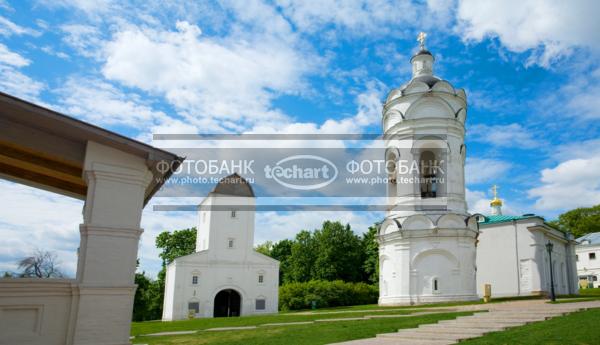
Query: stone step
{"x": 414, "y": 334}
{"x": 507, "y": 318}
{"x": 396, "y": 341}
{"x": 486, "y": 324}
{"x": 499, "y": 319}
{"x": 482, "y": 327}
{"x": 447, "y": 330}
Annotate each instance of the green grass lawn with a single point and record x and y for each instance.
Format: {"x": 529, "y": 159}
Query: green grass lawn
{"x": 147, "y": 327}
{"x": 318, "y": 333}
{"x": 579, "y": 328}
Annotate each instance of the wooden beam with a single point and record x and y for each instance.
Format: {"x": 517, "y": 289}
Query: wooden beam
{"x": 42, "y": 179}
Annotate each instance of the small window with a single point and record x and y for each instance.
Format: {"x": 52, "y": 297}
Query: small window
{"x": 592, "y": 256}
{"x": 435, "y": 283}
{"x": 261, "y": 278}
{"x": 233, "y": 213}
{"x": 195, "y": 280}
{"x": 230, "y": 243}
{"x": 576, "y": 257}
{"x": 261, "y": 304}
{"x": 194, "y": 307}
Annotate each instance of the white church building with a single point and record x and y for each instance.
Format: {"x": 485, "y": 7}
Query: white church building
{"x": 427, "y": 242}
{"x": 513, "y": 257}
{"x": 225, "y": 276}
{"x": 430, "y": 248}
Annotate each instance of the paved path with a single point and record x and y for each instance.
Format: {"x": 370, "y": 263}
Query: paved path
{"x": 500, "y": 317}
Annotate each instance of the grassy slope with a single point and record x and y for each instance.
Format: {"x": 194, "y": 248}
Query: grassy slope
{"x": 319, "y": 333}
{"x": 204, "y": 323}
{"x": 579, "y": 328}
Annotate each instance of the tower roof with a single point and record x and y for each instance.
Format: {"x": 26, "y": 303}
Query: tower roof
{"x": 234, "y": 185}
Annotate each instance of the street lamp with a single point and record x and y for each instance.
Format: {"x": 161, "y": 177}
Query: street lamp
{"x": 549, "y": 247}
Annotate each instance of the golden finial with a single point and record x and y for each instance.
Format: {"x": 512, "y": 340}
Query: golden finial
{"x": 495, "y": 201}
{"x": 421, "y": 39}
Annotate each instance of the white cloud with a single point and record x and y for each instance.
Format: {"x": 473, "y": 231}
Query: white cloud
{"x": 50, "y": 51}
{"x": 479, "y": 202}
{"x": 229, "y": 80}
{"x": 549, "y": 28}
{"x": 572, "y": 183}
{"x": 481, "y": 170}
{"x": 511, "y": 135}
{"x": 11, "y": 58}
{"x": 28, "y": 219}
{"x": 8, "y": 28}
{"x": 358, "y": 16}
{"x": 18, "y": 84}
{"x": 85, "y": 39}
{"x": 101, "y": 103}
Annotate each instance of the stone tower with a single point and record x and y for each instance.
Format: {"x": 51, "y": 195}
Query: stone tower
{"x": 427, "y": 240}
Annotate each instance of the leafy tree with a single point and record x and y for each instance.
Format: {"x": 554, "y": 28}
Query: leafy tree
{"x": 302, "y": 258}
{"x": 42, "y": 264}
{"x": 371, "y": 252}
{"x": 175, "y": 244}
{"x": 339, "y": 253}
{"x": 580, "y": 221}
{"x": 265, "y": 248}
{"x": 282, "y": 251}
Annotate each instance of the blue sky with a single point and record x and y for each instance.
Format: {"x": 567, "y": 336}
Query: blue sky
{"x": 530, "y": 69}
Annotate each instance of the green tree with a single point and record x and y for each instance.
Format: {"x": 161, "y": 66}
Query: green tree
{"x": 302, "y": 258}
{"x": 173, "y": 245}
{"x": 282, "y": 251}
{"x": 371, "y": 252}
{"x": 580, "y": 221}
{"x": 339, "y": 253}
{"x": 264, "y": 248}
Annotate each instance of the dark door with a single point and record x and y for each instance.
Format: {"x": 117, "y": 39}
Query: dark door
{"x": 227, "y": 303}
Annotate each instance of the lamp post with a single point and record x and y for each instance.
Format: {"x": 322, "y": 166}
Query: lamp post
{"x": 549, "y": 247}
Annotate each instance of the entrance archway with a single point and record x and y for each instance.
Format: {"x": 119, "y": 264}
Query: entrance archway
{"x": 227, "y": 303}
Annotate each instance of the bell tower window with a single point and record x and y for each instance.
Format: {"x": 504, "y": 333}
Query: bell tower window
{"x": 428, "y": 180}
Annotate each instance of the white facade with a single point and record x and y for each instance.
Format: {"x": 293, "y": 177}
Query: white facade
{"x": 225, "y": 276}
{"x": 116, "y": 177}
{"x": 512, "y": 257}
{"x": 427, "y": 240}
{"x": 588, "y": 258}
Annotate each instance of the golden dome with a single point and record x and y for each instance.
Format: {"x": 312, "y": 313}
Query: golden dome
{"x": 495, "y": 201}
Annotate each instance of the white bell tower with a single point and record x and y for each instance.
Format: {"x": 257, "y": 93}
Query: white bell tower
{"x": 427, "y": 240}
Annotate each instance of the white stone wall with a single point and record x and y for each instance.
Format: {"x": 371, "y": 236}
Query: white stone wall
{"x": 216, "y": 276}
{"x": 512, "y": 257}
{"x": 219, "y": 266}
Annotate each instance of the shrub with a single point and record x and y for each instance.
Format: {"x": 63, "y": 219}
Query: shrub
{"x": 294, "y": 296}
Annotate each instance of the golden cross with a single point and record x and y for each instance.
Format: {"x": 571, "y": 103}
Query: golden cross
{"x": 495, "y": 190}
{"x": 421, "y": 38}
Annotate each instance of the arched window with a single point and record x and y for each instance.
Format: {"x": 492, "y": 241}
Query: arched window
{"x": 428, "y": 170}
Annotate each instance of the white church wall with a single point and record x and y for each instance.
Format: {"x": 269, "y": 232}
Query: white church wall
{"x": 227, "y": 262}
{"x": 513, "y": 258}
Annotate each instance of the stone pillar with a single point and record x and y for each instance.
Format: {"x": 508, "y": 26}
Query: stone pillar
{"x": 109, "y": 241}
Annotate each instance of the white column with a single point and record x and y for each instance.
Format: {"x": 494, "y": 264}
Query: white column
{"x": 109, "y": 241}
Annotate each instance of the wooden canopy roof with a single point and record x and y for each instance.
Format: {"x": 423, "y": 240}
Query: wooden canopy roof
{"x": 46, "y": 149}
